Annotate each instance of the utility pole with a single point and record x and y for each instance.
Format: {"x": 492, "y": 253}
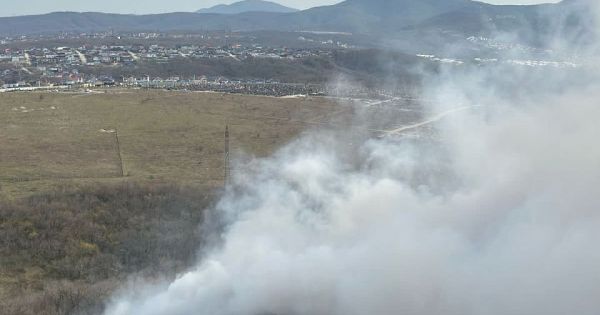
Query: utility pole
{"x": 226, "y": 157}
{"x": 116, "y": 133}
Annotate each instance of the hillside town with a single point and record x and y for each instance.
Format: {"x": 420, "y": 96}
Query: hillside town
{"x": 90, "y": 60}
{"x": 62, "y": 65}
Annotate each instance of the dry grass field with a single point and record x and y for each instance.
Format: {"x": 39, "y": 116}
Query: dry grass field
{"x": 69, "y": 138}
{"x": 101, "y": 186}
{"x": 95, "y": 187}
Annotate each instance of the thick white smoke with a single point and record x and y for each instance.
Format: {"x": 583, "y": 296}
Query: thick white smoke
{"x": 499, "y": 215}
{"x": 502, "y": 216}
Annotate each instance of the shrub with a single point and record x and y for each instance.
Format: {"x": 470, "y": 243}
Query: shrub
{"x": 79, "y": 240}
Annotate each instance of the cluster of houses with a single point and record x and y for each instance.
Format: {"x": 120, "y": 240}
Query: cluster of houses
{"x": 31, "y": 62}
{"x": 203, "y": 83}
{"x": 75, "y": 65}
{"x": 85, "y": 55}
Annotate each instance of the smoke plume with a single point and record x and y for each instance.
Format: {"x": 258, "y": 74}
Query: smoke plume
{"x": 497, "y": 212}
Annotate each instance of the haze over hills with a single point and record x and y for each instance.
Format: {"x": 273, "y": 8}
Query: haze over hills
{"x": 248, "y": 6}
{"x": 374, "y": 17}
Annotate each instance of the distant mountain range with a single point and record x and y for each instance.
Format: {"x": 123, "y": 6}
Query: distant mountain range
{"x": 248, "y": 6}
{"x": 377, "y": 18}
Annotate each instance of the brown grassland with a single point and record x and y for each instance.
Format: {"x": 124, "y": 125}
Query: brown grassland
{"x": 82, "y": 208}
{"x": 168, "y": 136}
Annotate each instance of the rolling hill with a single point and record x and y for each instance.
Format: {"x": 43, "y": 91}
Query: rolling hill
{"x": 379, "y": 18}
{"x": 248, "y": 6}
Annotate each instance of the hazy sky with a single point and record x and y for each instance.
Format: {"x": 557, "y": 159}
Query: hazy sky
{"x": 10, "y": 8}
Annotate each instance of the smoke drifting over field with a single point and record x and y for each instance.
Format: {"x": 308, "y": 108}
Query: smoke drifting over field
{"x": 500, "y": 215}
